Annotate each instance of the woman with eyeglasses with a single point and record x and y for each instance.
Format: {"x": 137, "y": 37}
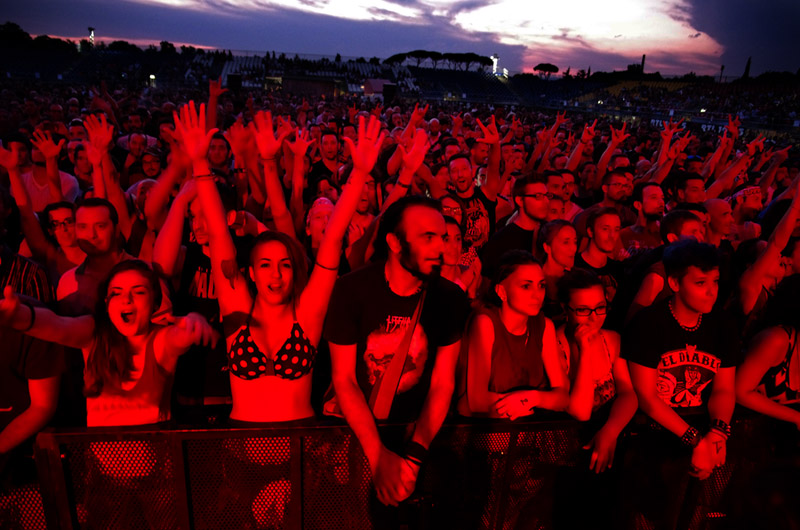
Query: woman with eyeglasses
{"x": 600, "y": 384}
{"x": 510, "y": 362}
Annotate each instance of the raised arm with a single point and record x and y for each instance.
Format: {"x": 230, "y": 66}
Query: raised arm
{"x": 314, "y": 300}
{"x": 215, "y": 90}
{"x": 50, "y": 150}
{"x": 41, "y": 323}
{"x": 490, "y": 136}
{"x": 586, "y": 140}
{"x": 156, "y": 207}
{"x": 167, "y": 247}
{"x": 269, "y": 147}
{"x": 617, "y": 137}
{"x": 751, "y": 281}
{"x": 41, "y": 248}
{"x": 232, "y": 290}
{"x": 299, "y": 148}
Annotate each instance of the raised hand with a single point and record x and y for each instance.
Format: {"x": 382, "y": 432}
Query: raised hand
{"x": 418, "y": 115}
{"x": 190, "y": 128}
{"x": 370, "y": 140}
{"x": 561, "y": 118}
{"x": 413, "y": 159}
{"x": 490, "y": 133}
{"x": 588, "y": 132}
{"x": 733, "y": 126}
{"x": 619, "y": 135}
{"x": 377, "y": 111}
{"x": 301, "y": 143}
{"x": 44, "y": 143}
{"x": 782, "y": 154}
{"x": 261, "y": 127}
{"x": 215, "y": 89}
{"x": 9, "y": 159}
{"x": 100, "y": 132}
{"x": 242, "y": 142}
{"x": 458, "y": 121}
{"x": 757, "y": 144}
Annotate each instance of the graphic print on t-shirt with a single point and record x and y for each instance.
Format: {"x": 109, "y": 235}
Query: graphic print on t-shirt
{"x": 382, "y": 345}
{"x": 477, "y": 217}
{"x": 683, "y": 374}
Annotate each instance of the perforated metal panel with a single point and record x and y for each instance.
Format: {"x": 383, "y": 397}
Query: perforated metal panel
{"x": 21, "y": 509}
{"x": 125, "y": 484}
{"x": 239, "y": 482}
{"x": 336, "y": 483}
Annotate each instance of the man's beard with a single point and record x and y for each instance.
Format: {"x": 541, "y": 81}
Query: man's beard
{"x": 409, "y": 262}
{"x": 653, "y": 216}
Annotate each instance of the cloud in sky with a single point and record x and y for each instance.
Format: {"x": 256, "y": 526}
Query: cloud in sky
{"x": 677, "y": 35}
{"x": 612, "y": 31}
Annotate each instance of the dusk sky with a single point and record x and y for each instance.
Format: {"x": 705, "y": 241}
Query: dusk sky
{"x": 678, "y": 36}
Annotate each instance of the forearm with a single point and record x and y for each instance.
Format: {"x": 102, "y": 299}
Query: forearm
{"x": 433, "y": 413}
{"x": 434, "y": 186}
{"x": 220, "y": 242}
{"x": 296, "y": 206}
{"x": 156, "y": 205}
{"x": 54, "y": 180}
{"x": 581, "y": 397}
{"x": 721, "y": 404}
{"x": 168, "y": 243}
{"x": 602, "y": 164}
{"x": 556, "y": 399}
{"x": 331, "y": 245}
{"x": 575, "y": 157}
{"x": 359, "y": 417}
{"x": 24, "y": 426}
{"x": 662, "y": 414}
{"x": 277, "y": 203}
{"x": 758, "y": 402}
{"x": 623, "y": 409}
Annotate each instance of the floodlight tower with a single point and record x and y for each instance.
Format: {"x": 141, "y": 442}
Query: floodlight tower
{"x": 91, "y": 35}
{"x": 495, "y": 58}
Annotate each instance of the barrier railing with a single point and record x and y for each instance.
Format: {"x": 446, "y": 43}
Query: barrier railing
{"x": 479, "y": 475}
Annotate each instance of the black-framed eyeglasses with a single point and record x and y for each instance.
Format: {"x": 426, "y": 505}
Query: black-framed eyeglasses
{"x": 600, "y": 311}
{"x": 538, "y": 196}
{"x": 55, "y": 225}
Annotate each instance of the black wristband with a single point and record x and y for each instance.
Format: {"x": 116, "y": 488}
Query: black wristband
{"x": 33, "y": 317}
{"x": 416, "y": 452}
{"x": 691, "y": 437}
{"x": 721, "y": 426}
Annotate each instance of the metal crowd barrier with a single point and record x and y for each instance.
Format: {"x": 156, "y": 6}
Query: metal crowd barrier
{"x": 479, "y": 475}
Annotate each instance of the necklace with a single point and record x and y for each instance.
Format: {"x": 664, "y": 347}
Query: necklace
{"x": 687, "y": 328}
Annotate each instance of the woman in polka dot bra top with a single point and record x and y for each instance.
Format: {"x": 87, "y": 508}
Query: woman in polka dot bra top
{"x": 272, "y": 332}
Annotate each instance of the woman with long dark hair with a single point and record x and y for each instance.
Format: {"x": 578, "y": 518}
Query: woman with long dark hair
{"x": 130, "y": 362}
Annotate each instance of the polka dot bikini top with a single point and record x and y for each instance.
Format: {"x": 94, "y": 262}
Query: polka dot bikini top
{"x": 292, "y": 361}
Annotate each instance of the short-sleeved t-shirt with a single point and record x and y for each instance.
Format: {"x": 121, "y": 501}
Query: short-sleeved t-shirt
{"x": 23, "y": 358}
{"x": 364, "y": 311}
{"x": 686, "y": 361}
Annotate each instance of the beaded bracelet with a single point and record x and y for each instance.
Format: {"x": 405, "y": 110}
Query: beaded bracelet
{"x": 320, "y": 265}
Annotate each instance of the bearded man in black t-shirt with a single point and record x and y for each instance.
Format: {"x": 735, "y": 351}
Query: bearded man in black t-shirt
{"x": 682, "y": 359}
{"x": 372, "y": 314}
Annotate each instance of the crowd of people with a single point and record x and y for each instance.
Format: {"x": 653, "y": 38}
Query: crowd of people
{"x": 293, "y": 260}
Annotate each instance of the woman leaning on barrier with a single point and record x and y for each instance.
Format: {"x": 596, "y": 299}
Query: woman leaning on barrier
{"x": 510, "y": 364}
{"x": 600, "y": 384}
